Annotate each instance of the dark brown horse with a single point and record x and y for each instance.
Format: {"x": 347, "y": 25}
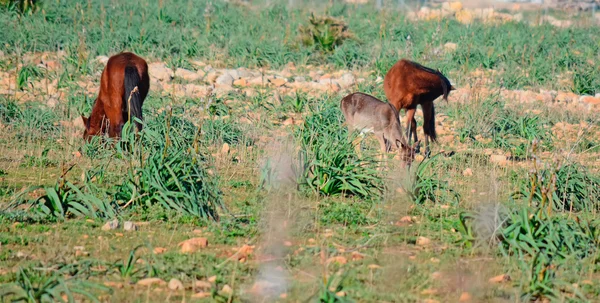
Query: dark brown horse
{"x": 408, "y": 84}
{"x": 118, "y": 100}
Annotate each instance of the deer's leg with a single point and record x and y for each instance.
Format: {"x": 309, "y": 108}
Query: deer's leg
{"x": 384, "y": 148}
{"x": 357, "y": 142}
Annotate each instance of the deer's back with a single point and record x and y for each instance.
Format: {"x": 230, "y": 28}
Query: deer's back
{"x": 364, "y": 111}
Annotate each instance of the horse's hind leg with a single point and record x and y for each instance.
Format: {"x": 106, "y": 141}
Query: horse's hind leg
{"x": 411, "y": 126}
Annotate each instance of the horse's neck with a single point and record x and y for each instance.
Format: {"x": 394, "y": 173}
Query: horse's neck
{"x": 97, "y": 114}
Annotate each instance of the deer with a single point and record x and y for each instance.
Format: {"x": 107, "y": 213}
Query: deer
{"x": 368, "y": 114}
{"x": 124, "y": 85}
{"x": 408, "y": 84}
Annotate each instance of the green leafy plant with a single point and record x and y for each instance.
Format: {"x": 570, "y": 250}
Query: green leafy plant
{"x": 26, "y": 74}
{"x": 48, "y": 289}
{"x": 324, "y": 32}
{"x": 66, "y": 199}
{"x": 126, "y": 269}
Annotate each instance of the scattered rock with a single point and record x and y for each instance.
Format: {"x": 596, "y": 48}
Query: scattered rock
{"x": 590, "y": 100}
{"x": 498, "y": 159}
{"x": 129, "y": 226}
{"x": 346, "y": 80}
{"x": 175, "y": 284}
{"x": 201, "y": 295}
{"x": 340, "y": 293}
{"x": 422, "y": 241}
{"x": 429, "y": 291}
{"x": 500, "y": 279}
{"x": 278, "y": 82}
{"x": 356, "y": 256}
{"x": 468, "y": 172}
{"x": 102, "y": 59}
{"x": 450, "y": 46}
{"x": 225, "y": 148}
{"x": 193, "y": 245}
{"x": 464, "y": 16}
{"x": 151, "y": 281}
{"x": 226, "y": 289}
{"x": 374, "y": 266}
{"x": 112, "y": 284}
{"x": 187, "y": 75}
{"x": 465, "y": 297}
{"x": 159, "y": 250}
{"x": 338, "y": 259}
{"x": 160, "y": 71}
{"x": 111, "y": 225}
{"x": 241, "y": 82}
{"x": 52, "y": 102}
{"x": 204, "y": 285}
{"x": 224, "y": 80}
{"x": 299, "y": 79}
{"x": 212, "y": 279}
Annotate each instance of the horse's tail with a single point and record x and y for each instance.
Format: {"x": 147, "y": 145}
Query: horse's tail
{"x": 429, "y": 121}
{"x": 133, "y": 105}
{"x": 446, "y": 85}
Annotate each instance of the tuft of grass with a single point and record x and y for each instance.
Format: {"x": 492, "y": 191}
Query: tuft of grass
{"x": 28, "y": 287}
{"x": 332, "y": 166}
{"x": 426, "y": 185}
{"x": 170, "y": 171}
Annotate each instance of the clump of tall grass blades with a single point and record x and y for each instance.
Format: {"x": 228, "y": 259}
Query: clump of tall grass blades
{"x": 332, "y": 166}
{"x": 171, "y": 172}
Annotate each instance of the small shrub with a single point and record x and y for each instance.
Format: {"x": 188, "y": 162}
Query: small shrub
{"x": 324, "y": 32}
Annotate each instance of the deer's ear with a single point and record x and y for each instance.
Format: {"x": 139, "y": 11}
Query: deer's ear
{"x": 85, "y": 120}
{"x": 416, "y": 144}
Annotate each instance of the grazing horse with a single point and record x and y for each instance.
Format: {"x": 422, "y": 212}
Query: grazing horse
{"x": 366, "y": 113}
{"x": 123, "y": 87}
{"x": 408, "y": 84}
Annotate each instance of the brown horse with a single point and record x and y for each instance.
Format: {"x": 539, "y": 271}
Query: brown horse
{"x": 408, "y": 84}
{"x": 118, "y": 99}
{"x": 366, "y": 114}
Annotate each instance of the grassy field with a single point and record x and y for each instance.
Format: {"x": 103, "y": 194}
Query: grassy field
{"x": 261, "y": 175}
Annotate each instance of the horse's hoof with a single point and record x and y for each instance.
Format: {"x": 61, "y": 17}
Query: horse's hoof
{"x": 427, "y": 153}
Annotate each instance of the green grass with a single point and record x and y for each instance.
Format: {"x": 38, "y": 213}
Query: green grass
{"x": 530, "y": 56}
{"x": 343, "y": 231}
